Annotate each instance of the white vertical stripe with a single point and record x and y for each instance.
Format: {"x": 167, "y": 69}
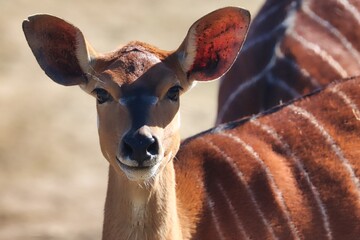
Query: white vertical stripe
{"x": 282, "y": 85}
{"x": 211, "y": 207}
{"x": 320, "y": 52}
{"x": 275, "y": 189}
{"x": 351, "y": 9}
{"x": 238, "y": 222}
{"x": 266, "y": 14}
{"x": 302, "y": 71}
{"x": 347, "y": 100}
{"x": 263, "y": 37}
{"x": 334, "y": 31}
{"x": 294, "y": 158}
{"x": 287, "y": 23}
{"x": 243, "y": 86}
{"x": 334, "y": 147}
{"x": 248, "y": 190}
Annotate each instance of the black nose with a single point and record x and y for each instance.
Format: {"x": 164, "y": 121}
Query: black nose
{"x": 139, "y": 147}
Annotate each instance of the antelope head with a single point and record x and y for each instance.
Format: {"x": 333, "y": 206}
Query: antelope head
{"x": 137, "y": 87}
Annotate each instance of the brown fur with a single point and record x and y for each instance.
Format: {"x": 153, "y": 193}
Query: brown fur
{"x": 336, "y": 189}
{"x": 233, "y": 182}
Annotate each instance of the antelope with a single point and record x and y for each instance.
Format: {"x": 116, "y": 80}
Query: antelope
{"x": 293, "y": 48}
{"x": 290, "y": 173}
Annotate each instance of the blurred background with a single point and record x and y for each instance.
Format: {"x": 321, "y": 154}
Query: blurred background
{"x": 52, "y": 175}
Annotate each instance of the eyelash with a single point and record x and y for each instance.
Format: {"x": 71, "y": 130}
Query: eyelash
{"x": 174, "y": 93}
{"x": 102, "y": 95}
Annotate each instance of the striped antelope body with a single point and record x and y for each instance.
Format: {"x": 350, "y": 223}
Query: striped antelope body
{"x": 289, "y": 174}
{"x": 293, "y": 47}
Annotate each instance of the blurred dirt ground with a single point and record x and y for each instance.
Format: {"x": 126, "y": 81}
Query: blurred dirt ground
{"x": 52, "y": 175}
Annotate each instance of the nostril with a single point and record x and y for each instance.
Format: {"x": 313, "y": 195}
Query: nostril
{"x": 127, "y": 149}
{"x": 139, "y": 148}
{"x": 153, "y": 148}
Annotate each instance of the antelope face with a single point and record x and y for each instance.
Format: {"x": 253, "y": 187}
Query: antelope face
{"x": 137, "y": 95}
{"x": 137, "y": 87}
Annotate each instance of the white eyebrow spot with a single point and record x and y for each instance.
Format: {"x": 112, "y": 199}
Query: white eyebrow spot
{"x": 125, "y": 100}
{"x": 151, "y": 100}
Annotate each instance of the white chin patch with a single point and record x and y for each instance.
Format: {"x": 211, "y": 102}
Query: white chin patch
{"x": 143, "y": 174}
{"x": 135, "y": 173}
{"x": 140, "y": 174}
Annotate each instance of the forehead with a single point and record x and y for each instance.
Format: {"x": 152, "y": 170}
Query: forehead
{"x": 133, "y": 62}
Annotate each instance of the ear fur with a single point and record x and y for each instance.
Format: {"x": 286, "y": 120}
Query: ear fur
{"x": 213, "y": 43}
{"x": 59, "y": 47}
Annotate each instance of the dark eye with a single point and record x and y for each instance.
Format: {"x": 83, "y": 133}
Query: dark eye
{"x": 102, "y": 95}
{"x": 173, "y": 93}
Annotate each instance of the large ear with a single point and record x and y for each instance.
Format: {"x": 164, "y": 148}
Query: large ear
{"x": 59, "y": 47}
{"x": 213, "y": 43}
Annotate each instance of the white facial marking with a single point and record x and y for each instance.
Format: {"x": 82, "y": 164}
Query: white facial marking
{"x": 152, "y": 100}
{"x": 133, "y": 173}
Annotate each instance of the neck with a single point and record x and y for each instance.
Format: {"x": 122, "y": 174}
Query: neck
{"x": 142, "y": 211}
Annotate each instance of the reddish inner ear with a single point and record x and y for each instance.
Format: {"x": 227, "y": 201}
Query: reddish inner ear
{"x": 218, "y": 40}
{"x": 53, "y": 42}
